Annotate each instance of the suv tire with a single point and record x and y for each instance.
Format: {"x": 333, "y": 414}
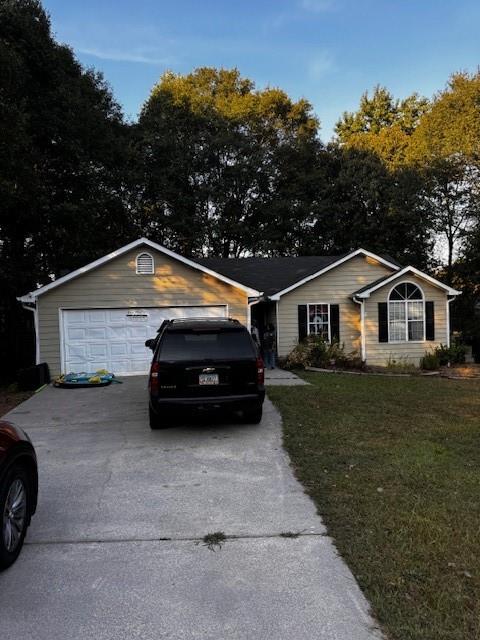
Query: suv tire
{"x": 253, "y": 416}
{"x": 155, "y": 420}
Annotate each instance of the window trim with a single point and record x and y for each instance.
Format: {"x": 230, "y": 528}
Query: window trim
{"x": 145, "y": 273}
{"x": 406, "y": 314}
{"x": 313, "y": 304}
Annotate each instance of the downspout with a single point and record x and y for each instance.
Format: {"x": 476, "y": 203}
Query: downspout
{"x": 250, "y": 305}
{"x": 362, "y": 327}
{"x": 449, "y": 301}
{"x": 34, "y": 310}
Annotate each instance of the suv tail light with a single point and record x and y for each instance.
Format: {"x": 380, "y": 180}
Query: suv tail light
{"x": 260, "y": 371}
{"x": 154, "y": 381}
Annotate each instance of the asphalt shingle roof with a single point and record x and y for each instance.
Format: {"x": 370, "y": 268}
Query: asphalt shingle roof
{"x": 269, "y": 275}
{"x": 272, "y": 275}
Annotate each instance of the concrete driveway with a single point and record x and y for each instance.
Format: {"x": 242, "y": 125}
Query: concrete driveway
{"x": 115, "y": 550}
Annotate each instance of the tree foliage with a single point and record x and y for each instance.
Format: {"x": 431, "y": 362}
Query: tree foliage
{"x": 61, "y": 165}
{"x": 216, "y": 155}
{"x": 445, "y": 148}
{"x": 382, "y": 124}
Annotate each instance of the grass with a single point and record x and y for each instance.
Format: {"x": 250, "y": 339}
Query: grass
{"x": 393, "y": 465}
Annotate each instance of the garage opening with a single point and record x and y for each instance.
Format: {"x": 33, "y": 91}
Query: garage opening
{"x": 114, "y": 339}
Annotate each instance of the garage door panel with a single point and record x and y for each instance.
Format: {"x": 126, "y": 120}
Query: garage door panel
{"x": 115, "y": 316}
{"x": 97, "y": 350}
{"x": 118, "y": 332}
{"x": 119, "y": 349}
{"x": 76, "y": 334}
{"x": 96, "y": 333}
{"x": 138, "y": 349}
{"x": 97, "y": 316}
{"x": 139, "y": 331}
{"x": 77, "y": 316}
{"x": 114, "y": 339}
{"x": 77, "y": 351}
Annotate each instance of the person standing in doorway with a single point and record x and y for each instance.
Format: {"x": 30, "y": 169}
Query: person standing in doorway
{"x": 269, "y": 340}
{"x": 255, "y": 333}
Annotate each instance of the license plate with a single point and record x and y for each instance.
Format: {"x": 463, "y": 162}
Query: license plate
{"x": 208, "y": 378}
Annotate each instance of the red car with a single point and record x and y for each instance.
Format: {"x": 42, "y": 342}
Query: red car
{"x": 18, "y": 490}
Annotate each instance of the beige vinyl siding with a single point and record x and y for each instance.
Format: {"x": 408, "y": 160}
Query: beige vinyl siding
{"x": 334, "y": 287}
{"x": 379, "y": 353}
{"x": 116, "y": 284}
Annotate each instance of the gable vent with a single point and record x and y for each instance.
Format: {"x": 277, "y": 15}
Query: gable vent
{"x": 145, "y": 264}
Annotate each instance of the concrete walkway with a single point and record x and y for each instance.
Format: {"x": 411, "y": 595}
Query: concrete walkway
{"x": 280, "y": 377}
{"x": 115, "y": 550}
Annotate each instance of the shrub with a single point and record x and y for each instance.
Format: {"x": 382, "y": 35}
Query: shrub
{"x": 314, "y": 351}
{"x": 455, "y": 354}
{"x": 430, "y": 361}
{"x": 400, "y": 364}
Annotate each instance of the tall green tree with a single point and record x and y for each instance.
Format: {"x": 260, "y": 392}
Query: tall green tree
{"x": 445, "y": 147}
{"x": 361, "y": 203}
{"x": 382, "y": 124}
{"x": 62, "y": 187}
{"x": 212, "y": 153}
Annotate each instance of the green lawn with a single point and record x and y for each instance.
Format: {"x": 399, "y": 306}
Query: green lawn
{"x": 393, "y": 465}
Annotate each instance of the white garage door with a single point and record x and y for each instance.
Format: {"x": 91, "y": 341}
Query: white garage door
{"x": 114, "y": 339}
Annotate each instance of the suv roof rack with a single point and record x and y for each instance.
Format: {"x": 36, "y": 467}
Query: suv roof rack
{"x": 204, "y": 318}
{"x": 197, "y": 318}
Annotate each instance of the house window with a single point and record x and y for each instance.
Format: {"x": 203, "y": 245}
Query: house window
{"x": 319, "y": 320}
{"x": 406, "y": 313}
{"x": 144, "y": 264}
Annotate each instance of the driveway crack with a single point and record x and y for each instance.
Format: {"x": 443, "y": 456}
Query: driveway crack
{"x": 197, "y": 539}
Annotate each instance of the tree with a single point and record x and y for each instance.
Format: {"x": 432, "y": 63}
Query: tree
{"x": 445, "y": 147}
{"x": 61, "y": 160}
{"x": 382, "y": 124}
{"x": 363, "y": 204}
{"x": 212, "y": 152}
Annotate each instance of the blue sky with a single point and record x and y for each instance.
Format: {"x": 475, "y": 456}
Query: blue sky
{"x": 328, "y": 51}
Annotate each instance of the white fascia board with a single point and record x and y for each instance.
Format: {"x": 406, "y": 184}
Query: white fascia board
{"x": 404, "y": 271}
{"x": 367, "y": 254}
{"x": 33, "y": 295}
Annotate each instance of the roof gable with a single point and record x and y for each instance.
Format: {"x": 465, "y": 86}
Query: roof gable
{"x": 365, "y": 292}
{"x": 33, "y": 295}
{"x": 332, "y": 265}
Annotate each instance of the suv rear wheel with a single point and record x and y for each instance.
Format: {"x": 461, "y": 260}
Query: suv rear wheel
{"x": 253, "y": 416}
{"x": 155, "y": 420}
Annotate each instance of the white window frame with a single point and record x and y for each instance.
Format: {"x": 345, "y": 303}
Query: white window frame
{"x": 406, "y": 313}
{"x": 145, "y": 273}
{"x": 313, "y": 304}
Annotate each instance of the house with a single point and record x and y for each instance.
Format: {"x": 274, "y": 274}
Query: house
{"x": 100, "y": 315}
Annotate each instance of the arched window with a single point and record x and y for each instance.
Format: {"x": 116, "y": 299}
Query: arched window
{"x": 406, "y": 313}
{"x": 144, "y": 264}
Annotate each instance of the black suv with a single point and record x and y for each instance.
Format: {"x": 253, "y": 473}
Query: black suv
{"x": 204, "y": 364}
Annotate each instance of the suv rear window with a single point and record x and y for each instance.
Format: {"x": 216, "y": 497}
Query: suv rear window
{"x": 206, "y": 345}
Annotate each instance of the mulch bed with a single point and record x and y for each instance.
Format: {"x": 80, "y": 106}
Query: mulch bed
{"x": 11, "y": 397}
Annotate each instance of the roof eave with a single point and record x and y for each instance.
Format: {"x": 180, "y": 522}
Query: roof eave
{"x": 33, "y": 295}
{"x": 420, "y": 274}
{"x": 333, "y": 265}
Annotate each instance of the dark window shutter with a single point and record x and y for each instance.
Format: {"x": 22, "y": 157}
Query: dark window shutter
{"x": 382, "y": 322}
{"x": 335, "y": 322}
{"x": 430, "y": 320}
{"x": 302, "y": 322}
